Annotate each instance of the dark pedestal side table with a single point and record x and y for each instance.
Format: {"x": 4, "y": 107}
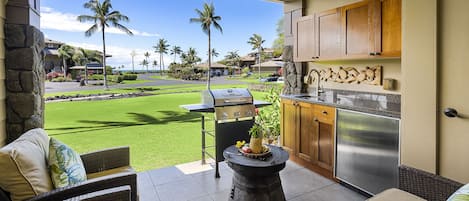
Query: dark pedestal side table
{"x": 254, "y": 179}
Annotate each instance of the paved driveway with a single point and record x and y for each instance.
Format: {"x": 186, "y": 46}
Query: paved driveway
{"x": 52, "y": 87}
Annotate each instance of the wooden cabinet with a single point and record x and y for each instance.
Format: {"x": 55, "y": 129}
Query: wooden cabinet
{"x": 328, "y": 32}
{"x": 305, "y": 44}
{"x": 361, "y": 25}
{"x": 308, "y": 133}
{"x": 288, "y": 125}
{"x": 366, "y": 29}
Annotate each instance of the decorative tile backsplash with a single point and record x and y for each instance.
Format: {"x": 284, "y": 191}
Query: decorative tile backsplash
{"x": 352, "y": 75}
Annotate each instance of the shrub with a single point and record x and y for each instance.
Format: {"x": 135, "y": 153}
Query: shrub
{"x": 61, "y": 79}
{"x": 130, "y": 77}
{"x": 115, "y": 78}
{"x": 96, "y": 77}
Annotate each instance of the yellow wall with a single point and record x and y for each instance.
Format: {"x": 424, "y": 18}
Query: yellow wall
{"x": 2, "y": 74}
{"x": 419, "y": 84}
{"x": 391, "y": 67}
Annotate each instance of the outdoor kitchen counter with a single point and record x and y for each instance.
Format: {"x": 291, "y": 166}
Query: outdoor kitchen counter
{"x": 372, "y": 103}
{"x": 206, "y": 108}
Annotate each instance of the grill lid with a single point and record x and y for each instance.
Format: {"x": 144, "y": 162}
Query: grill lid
{"x": 224, "y": 97}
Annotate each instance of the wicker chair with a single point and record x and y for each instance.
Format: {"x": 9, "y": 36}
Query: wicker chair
{"x": 414, "y": 182}
{"x": 113, "y": 185}
{"x": 426, "y": 185}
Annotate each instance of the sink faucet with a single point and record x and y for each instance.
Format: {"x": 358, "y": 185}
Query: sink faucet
{"x": 318, "y": 76}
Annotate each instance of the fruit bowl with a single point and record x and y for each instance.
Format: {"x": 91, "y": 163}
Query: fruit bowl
{"x": 265, "y": 152}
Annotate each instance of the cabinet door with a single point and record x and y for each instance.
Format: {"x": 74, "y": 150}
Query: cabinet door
{"x": 328, "y": 34}
{"x": 361, "y": 28}
{"x": 304, "y": 138}
{"x": 305, "y": 42}
{"x": 288, "y": 123}
{"x": 391, "y": 28}
{"x": 323, "y": 143}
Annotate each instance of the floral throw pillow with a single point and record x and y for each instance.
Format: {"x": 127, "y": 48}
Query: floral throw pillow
{"x": 65, "y": 165}
{"x": 462, "y": 194}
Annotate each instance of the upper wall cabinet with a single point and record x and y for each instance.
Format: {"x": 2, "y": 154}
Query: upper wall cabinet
{"x": 361, "y": 25}
{"x": 328, "y": 32}
{"x": 367, "y": 29}
{"x": 305, "y": 48}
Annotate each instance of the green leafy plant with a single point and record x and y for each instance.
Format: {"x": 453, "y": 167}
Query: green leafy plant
{"x": 269, "y": 117}
{"x": 256, "y": 130}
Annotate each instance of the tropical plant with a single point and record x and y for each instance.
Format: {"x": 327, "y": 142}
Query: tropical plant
{"x": 133, "y": 54}
{"x": 269, "y": 117}
{"x": 207, "y": 18}
{"x": 65, "y": 52}
{"x": 83, "y": 56}
{"x": 190, "y": 57}
{"x": 175, "y": 50}
{"x": 214, "y": 53}
{"x": 154, "y": 64}
{"x": 256, "y": 41}
{"x": 144, "y": 63}
{"x": 161, "y": 48}
{"x": 147, "y": 57}
{"x": 233, "y": 58}
{"x": 103, "y": 16}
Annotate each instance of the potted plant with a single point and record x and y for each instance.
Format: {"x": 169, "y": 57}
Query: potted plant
{"x": 269, "y": 117}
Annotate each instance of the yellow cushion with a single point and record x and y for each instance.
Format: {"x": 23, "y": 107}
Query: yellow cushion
{"x": 23, "y": 166}
{"x": 394, "y": 194}
{"x": 109, "y": 172}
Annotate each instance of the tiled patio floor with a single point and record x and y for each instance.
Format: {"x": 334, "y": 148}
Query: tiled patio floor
{"x": 195, "y": 182}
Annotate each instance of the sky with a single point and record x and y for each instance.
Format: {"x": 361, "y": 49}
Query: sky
{"x": 151, "y": 20}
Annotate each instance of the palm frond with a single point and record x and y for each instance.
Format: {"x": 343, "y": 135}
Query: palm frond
{"x": 91, "y": 30}
{"x": 122, "y": 28}
{"x": 86, "y": 18}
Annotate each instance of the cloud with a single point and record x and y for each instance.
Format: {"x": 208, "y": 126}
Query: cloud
{"x": 121, "y": 55}
{"x": 55, "y": 20}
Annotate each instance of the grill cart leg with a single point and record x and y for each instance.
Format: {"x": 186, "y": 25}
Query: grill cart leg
{"x": 203, "y": 140}
{"x": 217, "y": 172}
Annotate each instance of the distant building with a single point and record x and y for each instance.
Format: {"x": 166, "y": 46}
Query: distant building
{"x": 216, "y": 68}
{"x": 52, "y": 62}
{"x": 271, "y": 66}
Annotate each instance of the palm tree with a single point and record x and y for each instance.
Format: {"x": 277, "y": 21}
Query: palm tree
{"x": 133, "y": 54}
{"x": 155, "y": 63}
{"x": 214, "y": 53}
{"x": 147, "y": 56}
{"x": 233, "y": 58}
{"x": 176, "y": 50}
{"x": 83, "y": 57}
{"x": 65, "y": 52}
{"x": 256, "y": 41}
{"x": 161, "y": 48}
{"x": 207, "y": 18}
{"x": 144, "y": 63}
{"x": 103, "y": 16}
{"x": 190, "y": 57}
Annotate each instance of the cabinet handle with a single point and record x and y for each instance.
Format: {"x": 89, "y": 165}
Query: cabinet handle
{"x": 372, "y": 54}
{"x": 324, "y": 112}
{"x": 315, "y": 119}
{"x": 377, "y": 53}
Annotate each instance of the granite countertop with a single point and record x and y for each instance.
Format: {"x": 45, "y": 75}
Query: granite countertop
{"x": 372, "y": 103}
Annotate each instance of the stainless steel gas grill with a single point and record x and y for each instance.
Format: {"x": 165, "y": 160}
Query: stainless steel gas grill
{"x": 233, "y": 112}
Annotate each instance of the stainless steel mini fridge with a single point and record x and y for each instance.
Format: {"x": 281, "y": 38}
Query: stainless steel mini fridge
{"x": 367, "y": 151}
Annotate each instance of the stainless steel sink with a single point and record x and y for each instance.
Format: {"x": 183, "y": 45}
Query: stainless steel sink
{"x": 309, "y": 97}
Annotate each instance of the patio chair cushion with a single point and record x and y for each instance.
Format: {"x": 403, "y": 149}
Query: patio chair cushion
{"x": 462, "y": 194}
{"x": 24, "y": 172}
{"x": 110, "y": 172}
{"x": 65, "y": 165}
{"x": 394, "y": 194}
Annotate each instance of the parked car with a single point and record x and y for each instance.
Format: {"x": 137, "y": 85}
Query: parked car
{"x": 280, "y": 80}
{"x": 269, "y": 79}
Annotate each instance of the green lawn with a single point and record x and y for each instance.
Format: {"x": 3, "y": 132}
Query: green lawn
{"x": 157, "y": 130}
{"x": 134, "y": 81}
{"x": 153, "y": 89}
